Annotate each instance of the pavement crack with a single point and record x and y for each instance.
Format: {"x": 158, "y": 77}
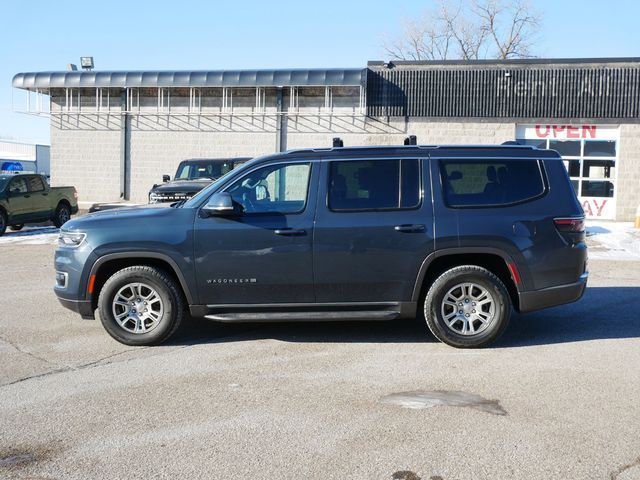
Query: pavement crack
{"x": 616, "y": 473}
{"x": 93, "y": 364}
{"x": 31, "y": 354}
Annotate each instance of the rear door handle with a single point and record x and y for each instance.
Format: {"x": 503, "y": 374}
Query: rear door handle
{"x": 409, "y": 228}
{"x": 289, "y": 231}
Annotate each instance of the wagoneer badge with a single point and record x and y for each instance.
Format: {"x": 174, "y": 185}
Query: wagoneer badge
{"x": 221, "y": 281}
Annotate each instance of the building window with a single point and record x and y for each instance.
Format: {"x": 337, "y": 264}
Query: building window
{"x": 590, "y": 154}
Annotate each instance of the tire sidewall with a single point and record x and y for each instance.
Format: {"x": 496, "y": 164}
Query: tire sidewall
{"x": 3, "y": 222}
{"x": 452, "y": 278}
{"x": 171, "y": 308}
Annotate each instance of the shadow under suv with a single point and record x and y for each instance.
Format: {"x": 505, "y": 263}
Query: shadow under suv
{"x": 456, "y": 234}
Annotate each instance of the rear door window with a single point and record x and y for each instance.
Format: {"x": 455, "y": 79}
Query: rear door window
{"x": 35, "y": 184}
{"x": 473, "y": 183}
{"x": 374, "y": 184}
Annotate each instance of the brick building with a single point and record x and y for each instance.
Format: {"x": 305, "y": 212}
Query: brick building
{"x": 113, "y": 134}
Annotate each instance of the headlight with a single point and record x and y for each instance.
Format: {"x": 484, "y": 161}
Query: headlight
{"x": 71, "y": 239}
{"x": 154, "y": 197}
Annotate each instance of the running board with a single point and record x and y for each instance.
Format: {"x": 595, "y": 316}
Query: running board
{"x": 302, "y": 316}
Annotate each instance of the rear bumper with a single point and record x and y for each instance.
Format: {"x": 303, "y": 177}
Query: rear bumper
{"x": 552, "y": 296}
{"x": 83, "y": 307}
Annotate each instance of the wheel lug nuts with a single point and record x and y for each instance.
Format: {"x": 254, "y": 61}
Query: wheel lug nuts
{"x": 460, "y": 304}
{"x": 466, "y": 314}
{"x": 473, "y": 303}
{"x": 459, "y": 311}
{"x": 473, "y": 311}
{"x": 466, "y": 300}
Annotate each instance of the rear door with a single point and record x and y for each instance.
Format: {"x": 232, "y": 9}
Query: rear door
{"x": 374, "y": 227}
{"x": 40, "y": 202}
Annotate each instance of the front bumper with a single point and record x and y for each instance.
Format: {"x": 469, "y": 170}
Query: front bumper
{"x": 552, "y": 296}
{"x": 83, "y": 307}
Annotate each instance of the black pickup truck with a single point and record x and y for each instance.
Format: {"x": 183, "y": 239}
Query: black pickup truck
{"x": 30, "y": 199}
{"x": 191, "y": 177}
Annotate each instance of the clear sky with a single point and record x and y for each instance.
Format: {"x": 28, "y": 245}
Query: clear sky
{"x": 189, "y": 34}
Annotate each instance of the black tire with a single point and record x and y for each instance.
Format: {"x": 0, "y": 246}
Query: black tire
{"x": 62, "y": 215}
{"x": 171, "y": 303}
{"x": 17, "y": 227}
{"x": 3, "y": 222}
{"x": 495, "y": 313}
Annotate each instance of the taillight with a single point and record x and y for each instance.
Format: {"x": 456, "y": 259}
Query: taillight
{"x": 569, "y": 225}
{"x": 75, "y": 194}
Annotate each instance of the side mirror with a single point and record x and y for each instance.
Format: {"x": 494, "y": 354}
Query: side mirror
{"x": 166, "y": 178}
{"x": 219, "y": 204}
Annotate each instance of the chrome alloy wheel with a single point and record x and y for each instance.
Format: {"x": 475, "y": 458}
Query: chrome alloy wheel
{"x": 468, "y": 308}
{"x": 137, "y": 308}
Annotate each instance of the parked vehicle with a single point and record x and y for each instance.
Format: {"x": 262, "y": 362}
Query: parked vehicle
{"x": 30, "y": 199}
{"x": 191, "y": 177}
{"x": 458, "y": 235}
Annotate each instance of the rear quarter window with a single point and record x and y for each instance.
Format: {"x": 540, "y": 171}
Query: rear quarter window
{"x": 475, "y": 183}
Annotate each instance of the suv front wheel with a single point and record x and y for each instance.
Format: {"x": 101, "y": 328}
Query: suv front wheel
{"x": 467, "y": 307}
{"x": 140, "y": 305}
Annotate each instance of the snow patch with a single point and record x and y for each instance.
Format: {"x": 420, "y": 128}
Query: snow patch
{"x": 613, "y": 240}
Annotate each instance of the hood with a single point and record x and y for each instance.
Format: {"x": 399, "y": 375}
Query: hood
{"x": 182, "y": 186}
{"x": 98, "y": 219}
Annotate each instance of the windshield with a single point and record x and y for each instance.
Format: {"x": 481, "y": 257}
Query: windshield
{"x": 193, "y": 170}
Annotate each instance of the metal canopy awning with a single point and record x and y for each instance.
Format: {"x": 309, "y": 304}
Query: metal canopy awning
{"x": 42, "y": 81}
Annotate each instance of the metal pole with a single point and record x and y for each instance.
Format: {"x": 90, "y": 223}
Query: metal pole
{"x": 281, "y": 134}
{"x": 124, "y": 146}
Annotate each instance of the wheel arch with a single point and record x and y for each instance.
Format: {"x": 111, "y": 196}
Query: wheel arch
{"x": 63, "y": 201}
{"x": 108, "y": 264}
{"x": 494, "y": 260}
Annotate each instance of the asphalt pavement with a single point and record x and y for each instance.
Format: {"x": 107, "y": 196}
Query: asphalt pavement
{"x": 556, "y": 397}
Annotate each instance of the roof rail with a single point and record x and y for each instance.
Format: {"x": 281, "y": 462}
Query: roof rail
{"x": 337, "y": 142}
{"x": 511, "y": 142}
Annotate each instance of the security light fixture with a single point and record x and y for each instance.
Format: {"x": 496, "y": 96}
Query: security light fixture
{"x": 86, "y": 63}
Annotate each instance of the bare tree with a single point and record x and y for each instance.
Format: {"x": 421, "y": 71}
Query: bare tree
{"x": 468, "y": 30}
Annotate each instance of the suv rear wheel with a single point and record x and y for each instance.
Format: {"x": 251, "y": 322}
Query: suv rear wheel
{"x": 140, "y": 305}
{"x": 467, "y": 307}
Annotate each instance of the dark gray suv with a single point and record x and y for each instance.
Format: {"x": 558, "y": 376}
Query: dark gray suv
{"x": 456, "y": 234}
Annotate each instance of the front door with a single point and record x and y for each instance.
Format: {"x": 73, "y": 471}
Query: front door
{"x": 374, "y": 227}
{"x": 263, "y": 253}
{"x": 19, "y": 200}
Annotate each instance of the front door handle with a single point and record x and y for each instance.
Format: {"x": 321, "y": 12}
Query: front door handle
{"x": 409, "y": 228}
{"x": 289, "y": 231}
